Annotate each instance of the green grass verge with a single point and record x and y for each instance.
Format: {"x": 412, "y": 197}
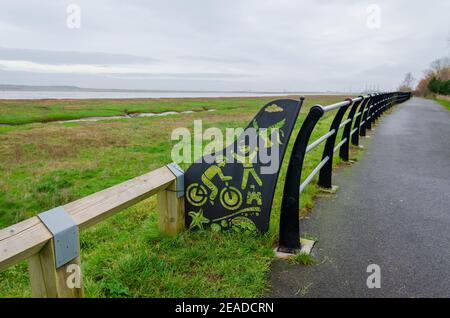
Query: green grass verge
{"x": 47, "y": 165}
{"x": 445, "y": 103}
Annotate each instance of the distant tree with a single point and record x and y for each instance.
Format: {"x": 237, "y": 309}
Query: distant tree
{"x": 407, "y": 84}
{"x": 441, "y": 68}
{"x": 440, "y": 71}
{"x": 422, "y": 86}
{"x": 439, "y": 86}
{"x": 433, "y": 85}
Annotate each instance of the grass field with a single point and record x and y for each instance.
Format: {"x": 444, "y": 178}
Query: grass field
{"x": 47, "y": 164}
{"x": 445, "y": 103}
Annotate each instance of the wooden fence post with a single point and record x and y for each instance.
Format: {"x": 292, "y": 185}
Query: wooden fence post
{"x": 171, "y": 205}
{"x": 171, "y": 211}
{"x": 47, "y": 281}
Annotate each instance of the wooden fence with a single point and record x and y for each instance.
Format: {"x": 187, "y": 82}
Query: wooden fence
{"x": 31, "y": 240}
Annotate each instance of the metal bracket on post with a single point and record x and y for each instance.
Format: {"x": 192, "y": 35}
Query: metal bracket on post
{"x": 65, "y": 234}
{"x": 179, "y": 174}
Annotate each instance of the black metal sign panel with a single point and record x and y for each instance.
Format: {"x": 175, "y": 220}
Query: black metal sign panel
{"x": 234, "y": 188}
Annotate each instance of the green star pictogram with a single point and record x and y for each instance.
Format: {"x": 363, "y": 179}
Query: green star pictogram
{"x": 198, "y": 219}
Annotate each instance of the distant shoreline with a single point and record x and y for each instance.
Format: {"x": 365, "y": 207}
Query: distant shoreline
{"x": 33, "y": 95}
{"x": 65, "y": 88}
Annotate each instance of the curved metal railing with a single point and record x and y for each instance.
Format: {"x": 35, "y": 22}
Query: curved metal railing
{"x": 363, "y": 111}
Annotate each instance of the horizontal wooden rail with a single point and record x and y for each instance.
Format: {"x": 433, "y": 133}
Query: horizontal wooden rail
{"x": 28, "y": 238}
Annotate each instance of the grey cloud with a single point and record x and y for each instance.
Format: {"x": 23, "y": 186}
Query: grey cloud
{"x": 211, "y": 59}
{"x": 70, "y": 57}
{"x": 180, "y": 75}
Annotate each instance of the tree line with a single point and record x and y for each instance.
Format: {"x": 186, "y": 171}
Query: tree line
{"x": 436, "y": 79}
{"x": 438, "y": 86}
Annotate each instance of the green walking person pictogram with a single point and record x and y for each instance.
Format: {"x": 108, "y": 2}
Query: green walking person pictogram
{"x": 247, "y": 163}
{"x": 210, "y": 173}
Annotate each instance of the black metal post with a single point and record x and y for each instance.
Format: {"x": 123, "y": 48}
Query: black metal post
{"x": 357, "y": 125}
{"x": 364, "y": 122}
{"x": 383, "y": 104}
{"x": 386, "y": 104}
{"x": 344, "y": 151}
{"x": 374, "y": 112}
{"x": 289, "y": 240}
{"x": 368, "y": 115}
{"x": 325, "y": 172}
{"x": 368, "y": 112}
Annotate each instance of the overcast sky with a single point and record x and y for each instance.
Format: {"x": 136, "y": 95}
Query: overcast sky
{"x": 270, "y": 45}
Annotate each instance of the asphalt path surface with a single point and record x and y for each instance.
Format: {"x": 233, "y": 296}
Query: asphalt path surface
{"x": 392, "y": 209}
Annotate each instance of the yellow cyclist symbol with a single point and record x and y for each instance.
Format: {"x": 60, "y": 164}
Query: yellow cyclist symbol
{"x": 210, "y": 173}
{"x": 230, "y": 197}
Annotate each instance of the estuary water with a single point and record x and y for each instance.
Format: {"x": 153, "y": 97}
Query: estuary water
{"x": 131, "y": 94}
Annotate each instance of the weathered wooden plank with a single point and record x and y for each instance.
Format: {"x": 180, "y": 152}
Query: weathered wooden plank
{"x": 96, "y": 207}
{"x": 22, "y": 240}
